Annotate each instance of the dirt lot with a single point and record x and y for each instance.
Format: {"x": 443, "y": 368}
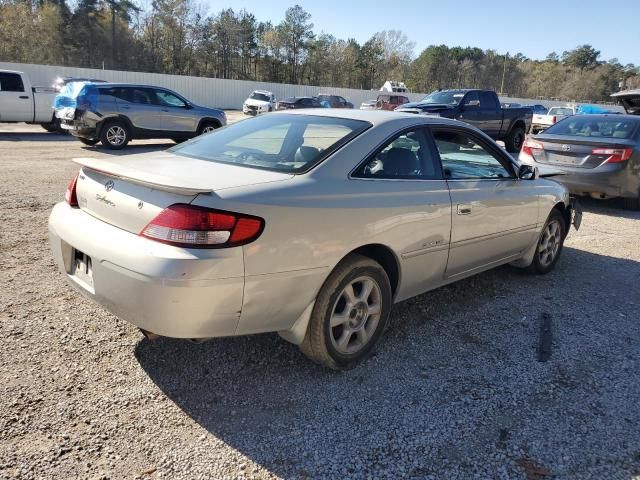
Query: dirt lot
{"x": 454, "y": 391}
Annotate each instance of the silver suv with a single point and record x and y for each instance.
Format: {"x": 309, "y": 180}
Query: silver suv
{"x": 116, "y": 113}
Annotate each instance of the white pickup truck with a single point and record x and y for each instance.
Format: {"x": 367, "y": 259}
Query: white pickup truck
{"x": 540, "y": 123}
{"x": 21, "y": 102}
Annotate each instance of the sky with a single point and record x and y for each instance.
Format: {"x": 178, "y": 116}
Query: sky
{"x": 534, "y": 28}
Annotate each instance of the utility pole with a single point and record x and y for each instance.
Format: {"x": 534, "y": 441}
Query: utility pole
{"x": 504, "y": 71}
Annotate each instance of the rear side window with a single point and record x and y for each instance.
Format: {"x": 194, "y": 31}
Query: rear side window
{"x": 599, "y": 127}
{"x": 283, "y": 143}
{"x": 11, "y": 82}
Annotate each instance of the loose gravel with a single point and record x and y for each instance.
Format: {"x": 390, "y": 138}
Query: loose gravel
{"x": 455, "y": 389}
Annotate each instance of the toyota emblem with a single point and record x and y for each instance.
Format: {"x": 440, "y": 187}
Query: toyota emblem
{"x": 108, "y": 186}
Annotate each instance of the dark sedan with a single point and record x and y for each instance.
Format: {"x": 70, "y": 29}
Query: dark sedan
{"x": 598, "y": 154}
{"x": 298, "y": 102}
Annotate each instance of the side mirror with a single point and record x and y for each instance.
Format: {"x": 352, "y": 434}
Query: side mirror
{"x": 528, "y": 172}
{"x": 472, "y": 104}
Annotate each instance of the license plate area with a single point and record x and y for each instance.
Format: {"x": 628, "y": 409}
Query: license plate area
{"x": 82, "y": 269}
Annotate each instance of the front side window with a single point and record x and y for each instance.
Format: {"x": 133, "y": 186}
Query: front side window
{"x": 169, "y": 99}
{"x": 464, "y": 157}
{"x": 471, "y": 100}
{"x": 283, "y": 143}
{"x": 407, "y": 156}
{"x": 11, "y": 82}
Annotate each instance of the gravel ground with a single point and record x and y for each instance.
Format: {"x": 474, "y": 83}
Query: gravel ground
{"x": 454, "y": 391}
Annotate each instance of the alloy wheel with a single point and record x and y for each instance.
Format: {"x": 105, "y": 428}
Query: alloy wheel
{"x": 116, "y": 135}
{"x": 355, "y": 315}
{"x": 550, "y": 243}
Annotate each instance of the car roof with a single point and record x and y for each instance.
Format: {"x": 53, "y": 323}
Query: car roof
{"x": 110, "y": 84}
{"x": 266, "y": 92}
{"x": 375, "y": 117}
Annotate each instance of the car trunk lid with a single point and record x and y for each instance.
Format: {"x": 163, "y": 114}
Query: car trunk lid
{"x": 128, "y": 192}
{"x": 575, "y": 152}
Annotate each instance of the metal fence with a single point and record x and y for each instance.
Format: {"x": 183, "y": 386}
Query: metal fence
{"x": 214, "y": 92}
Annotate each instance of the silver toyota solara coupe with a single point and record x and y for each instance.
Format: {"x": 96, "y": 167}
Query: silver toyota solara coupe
{"x": 311, "y": 224}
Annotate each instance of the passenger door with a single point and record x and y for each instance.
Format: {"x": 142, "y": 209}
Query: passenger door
{"x": 470, "y": 110}
{"x": 402, "y": 181}
{"x": 177, "y": 116}
{"x": 16, "y": 105}
{"x": 494, "y": 214}
{"x": 141, "y": 106}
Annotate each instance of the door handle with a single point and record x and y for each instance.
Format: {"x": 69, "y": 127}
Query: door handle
{"x": 124, "y": 107}
{"x": 24, "y": 97}
{"x": 464, "y": 209}
{"x": 165, "y": 109}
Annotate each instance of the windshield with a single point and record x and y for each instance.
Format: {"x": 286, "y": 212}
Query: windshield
{"x": 446, "y": 98}
{"x": 260, "y": 96}
{"x": 589, "y": 126}
{"x": 282, "y": 143}
{"x": 561, "y": 111}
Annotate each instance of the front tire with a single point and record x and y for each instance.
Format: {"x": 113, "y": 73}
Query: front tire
{"x": 349, "y": 315}
{"x": 550, "y": 244}
{"x": 207, "y": 127}
{"x": 515, "y": 139}
{"x": 115, "y": 135}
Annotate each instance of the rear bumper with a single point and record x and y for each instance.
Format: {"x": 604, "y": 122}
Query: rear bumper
{"x": 169, "y": 291}
{"x": 614, "y": 180}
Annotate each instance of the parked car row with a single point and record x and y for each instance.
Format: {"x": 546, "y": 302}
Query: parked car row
{"x": 262, "y": 101}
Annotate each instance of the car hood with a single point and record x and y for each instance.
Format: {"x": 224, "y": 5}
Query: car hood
{"x": 427, "y": 107}
{"x": 255, "y": 103}
{"x": 630, "y": 100}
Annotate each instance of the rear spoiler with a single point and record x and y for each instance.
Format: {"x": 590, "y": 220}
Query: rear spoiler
{"x": 132, "y": 176}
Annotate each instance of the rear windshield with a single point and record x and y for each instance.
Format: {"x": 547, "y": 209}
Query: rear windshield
{"x": 590, "y": 126}
{"x": 282, "y": 143}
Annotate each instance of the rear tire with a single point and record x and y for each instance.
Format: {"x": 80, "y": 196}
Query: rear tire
{"x": 550, "y": 244}
{"x": 349, "y": 315}
{"x": 515, "y": 139}
{"x": 115, "y": 135}
{"x": 88, "y": 141}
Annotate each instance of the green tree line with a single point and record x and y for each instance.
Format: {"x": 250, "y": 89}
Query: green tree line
{"x": 178, "y": 37}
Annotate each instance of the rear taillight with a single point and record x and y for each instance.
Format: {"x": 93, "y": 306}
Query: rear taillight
{"x": 530, "y": 145}
{"x": 554, "y": 119}
{"x": 70, "y": 196}
{"x": 613, "y": 155}
{"x": 191, "y": 226}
